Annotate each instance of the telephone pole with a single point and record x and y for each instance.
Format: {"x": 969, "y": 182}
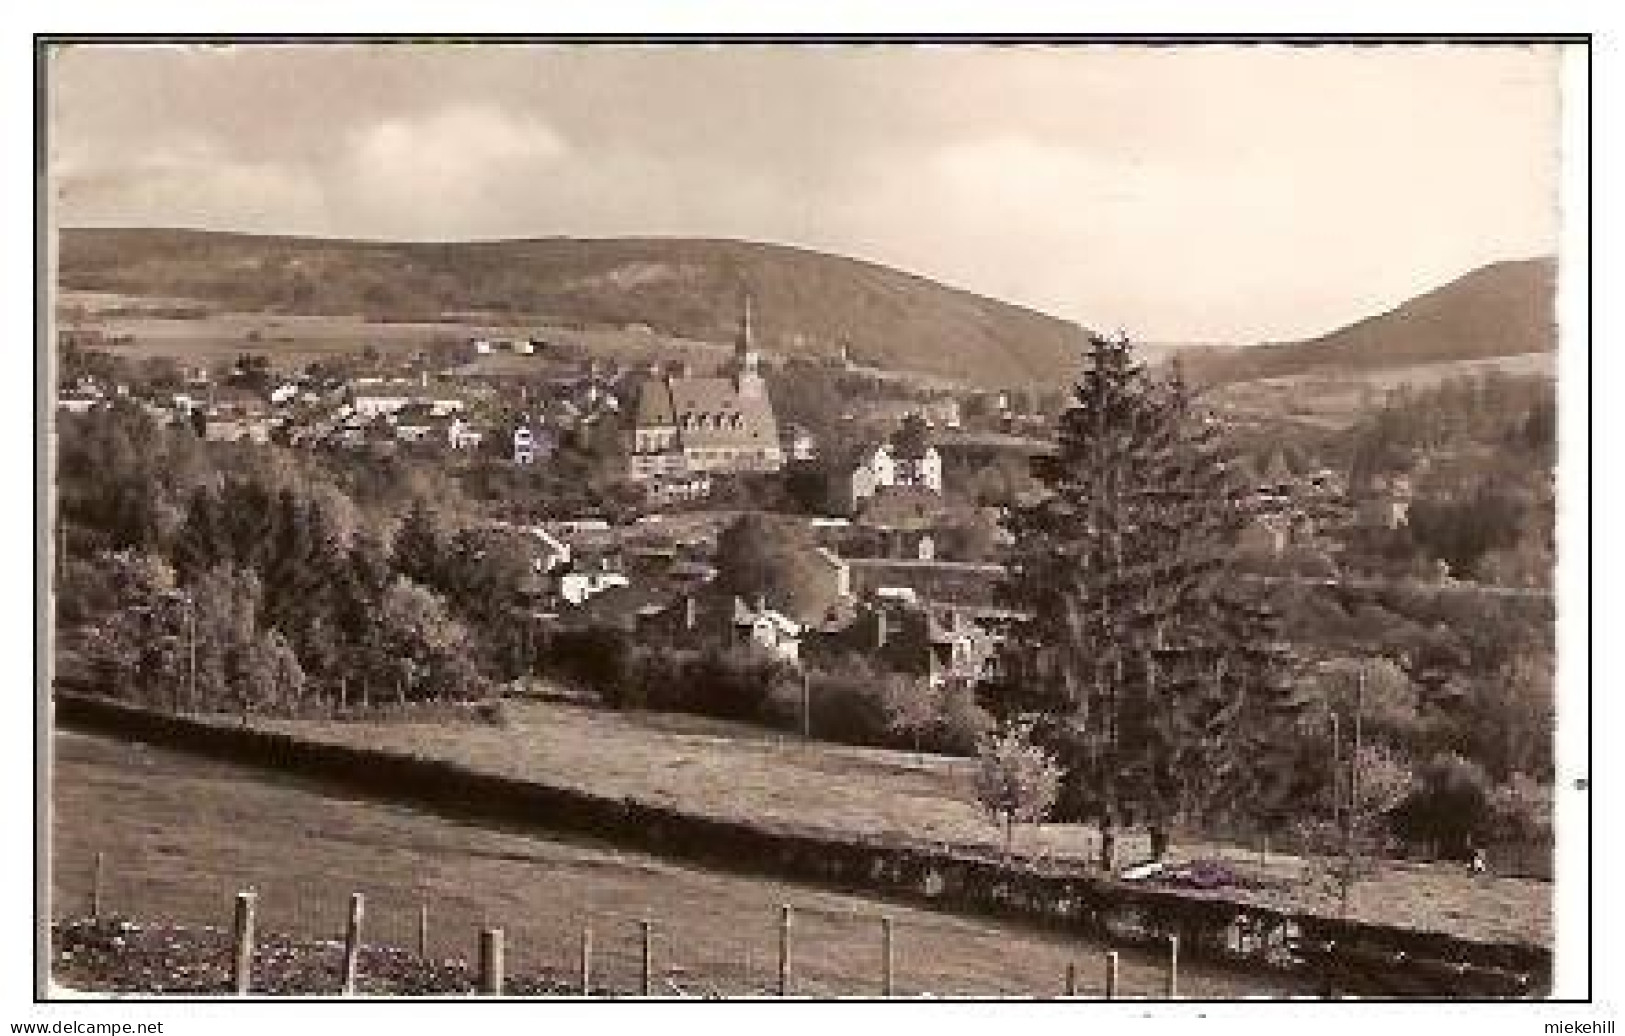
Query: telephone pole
{"x": 806, "y": 706}
{"x": 1353, "y": 791}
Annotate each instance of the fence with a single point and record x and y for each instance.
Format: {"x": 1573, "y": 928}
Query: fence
{"x": 270, "y": 939}
{"x": 1348, "y": 955}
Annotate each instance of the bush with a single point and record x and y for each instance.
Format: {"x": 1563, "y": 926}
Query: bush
{"x": 1450, "y": 811}
{"x": 725, "y": 683}
{"x": 963, "y": 723}
{"x": 846, "y": 705}
{"x": 1522, "y": 810}
{"x": 598, "y": 659}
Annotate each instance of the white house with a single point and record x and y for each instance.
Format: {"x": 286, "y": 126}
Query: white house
{"x": 375, "y": 403}
{"x": 460, "y": 435}
{"x": 524, "y": 445}
{"x": 576, "y": 587}
{"x": 287, "y": 392}
{"x": 78, "y": 401}
{"x": 555, "y": 551}
{"x": 879, "y": 467}
{"x": 770, "y": 631}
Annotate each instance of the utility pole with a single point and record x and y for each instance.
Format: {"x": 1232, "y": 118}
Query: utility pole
{"x": 1353, "y": 791}
{"x": 191, "y": 653}
{"x": 1337, "y": 773}
{"x": 806, "y": 706}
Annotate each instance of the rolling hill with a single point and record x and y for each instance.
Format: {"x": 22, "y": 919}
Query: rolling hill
{"x": 807, "y": 303}
{"x": 1504, "y": 309}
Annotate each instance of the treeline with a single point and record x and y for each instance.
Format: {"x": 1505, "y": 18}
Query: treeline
{"x": 847, "y": 699}
{"x": 1474, "y": 457}
{"x": 222, "y": 577}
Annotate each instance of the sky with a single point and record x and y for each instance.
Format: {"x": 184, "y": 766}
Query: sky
{"x": 1179, "y": 194}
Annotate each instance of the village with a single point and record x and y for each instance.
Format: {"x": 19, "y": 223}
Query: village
{"x": 894, "y": 524}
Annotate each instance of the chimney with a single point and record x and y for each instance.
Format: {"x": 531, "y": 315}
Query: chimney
{"x": 690, "y": 613}
{"x": 881, "y": 630}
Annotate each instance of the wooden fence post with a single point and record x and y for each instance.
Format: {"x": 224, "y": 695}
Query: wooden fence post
{"x": 1173, "y": 967}
{"x": 586, "y": 960}
{"x": 1071, "y": 979}
{"x": 785, "y": 917}
{"x": 648, "y": 975}
{"x": 242, "y": 938}
{"x": 423, "y": 931}
{"x": 352, "y": 943}
{"x": 1111, "y": 974}
{"x": 96, "y": 889}
{"x": 886, "y": 987}
{"x": 491, "y": 961}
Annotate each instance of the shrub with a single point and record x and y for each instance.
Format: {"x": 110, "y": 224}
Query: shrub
{"x": 1450, "y": 810}
{"x": 847, "y": 705}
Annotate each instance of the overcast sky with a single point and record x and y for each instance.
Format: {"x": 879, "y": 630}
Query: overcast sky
{"x": 1189, "y": 193}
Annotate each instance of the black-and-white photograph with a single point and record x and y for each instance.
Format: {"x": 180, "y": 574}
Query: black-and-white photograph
{"x": 865, "y": 519}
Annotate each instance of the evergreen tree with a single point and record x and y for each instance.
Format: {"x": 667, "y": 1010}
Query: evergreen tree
{"x": 420, "y": 552}
{"x": 1160, "y": 682}
{"x": 203, "y": 540}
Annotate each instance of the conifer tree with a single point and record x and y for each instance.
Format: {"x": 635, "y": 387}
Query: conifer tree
{"x": 1159, "y": 678}
{"x": 419, "y": 547}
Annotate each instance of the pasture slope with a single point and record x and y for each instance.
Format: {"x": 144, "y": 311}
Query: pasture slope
{"x": 181, "y": 835}
{"x": 1349, "y": 954}
{"x": 739, "y": 772}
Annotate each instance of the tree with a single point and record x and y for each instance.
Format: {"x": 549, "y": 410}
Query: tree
{"x": 773, "y": 557}
{"x": 420, "y": 552}
{"x": 429, "y": 652}
{"x": 1160, "y": 682}
{"x": 1450, "y": 807}
{"x": 1511, "y": 721}
{"x": 911, "y": 440}
{"x": 1522, "y": 809}
{"x": 225, "y": 604}
{"x": 1388, "y": 702}
{"x": 130, "y": 629}
{"x": 1016, "y": 779}
{"x": 276, "y": 680}
{"x": 963, "y": 722}
{"x": 1381, "y": 781}
{"x": 912, "y": 706}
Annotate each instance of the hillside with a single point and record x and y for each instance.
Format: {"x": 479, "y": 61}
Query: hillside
{"x": 807, "y": 303}
{"x": 1504, "y": 309}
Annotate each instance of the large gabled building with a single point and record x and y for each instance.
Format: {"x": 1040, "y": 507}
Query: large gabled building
{"x": 688, "y": 425}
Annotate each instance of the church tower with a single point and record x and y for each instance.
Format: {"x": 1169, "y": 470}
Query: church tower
{"x": 747, "y": 361}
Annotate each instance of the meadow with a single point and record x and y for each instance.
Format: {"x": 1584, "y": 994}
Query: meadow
{"x": 180, "y": 837}
{"x": 742, "y": 772}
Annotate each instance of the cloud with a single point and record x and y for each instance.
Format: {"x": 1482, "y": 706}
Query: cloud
{"x": 194, "y": 182}
{"x": 446, "y": 171}
{"x": 1205, "y": 192}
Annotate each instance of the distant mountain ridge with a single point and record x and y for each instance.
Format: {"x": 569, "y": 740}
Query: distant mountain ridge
{"x": 807, "y": 303}
{"x": 1503, "y": 309}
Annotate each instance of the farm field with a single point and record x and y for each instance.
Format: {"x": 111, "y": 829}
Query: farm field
{"x": 1336, "y": 399}
{"x": 296, "y": 339}
{"x": 743, "y": 772}
{"x": 181, "y": 836}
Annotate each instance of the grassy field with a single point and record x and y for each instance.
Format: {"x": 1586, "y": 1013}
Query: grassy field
{"x": 745, "y": 772}
{"x": 1337, "y": 399}
{"x": 182, "y": 836}
{"x": 293, "y": 340}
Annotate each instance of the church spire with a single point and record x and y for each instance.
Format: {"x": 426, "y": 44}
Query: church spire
{"x": 746, "y": 335}
{"x": 747, "y": 365}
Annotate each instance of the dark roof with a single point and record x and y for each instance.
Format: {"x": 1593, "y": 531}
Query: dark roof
{"x": 708, "y": 412}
